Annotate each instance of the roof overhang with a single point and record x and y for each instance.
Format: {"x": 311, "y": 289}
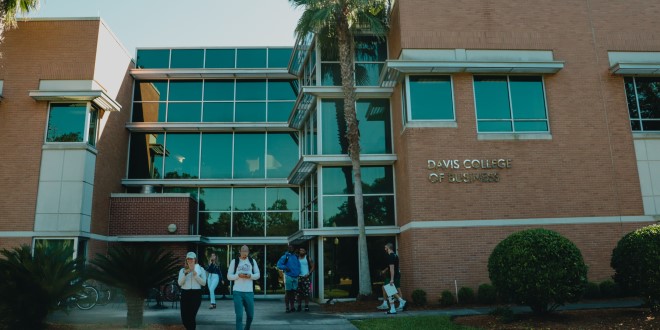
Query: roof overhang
{"x": 75, "y": 91}
{"x": 306, "y": 234}
{"x": 636, "y": 68}
{"x": 394, "y": 69}
{"x": 100, "y": 98}
{"x": 146, "y": 74}
{"x": 634, "y": 63}
{"x": 307, "y": 164}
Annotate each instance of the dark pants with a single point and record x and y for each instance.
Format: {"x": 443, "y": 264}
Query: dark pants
{"x": 190, "y": 301}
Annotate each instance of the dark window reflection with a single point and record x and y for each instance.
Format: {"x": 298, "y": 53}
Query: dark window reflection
{"x": 146, "y": 156}
{"x": 150, "y": 91}
{"x": 184, "y": 112}
{"x": 281, "y": 223}
{"x": 215, "y": 224}
{"x": 282, "y": 199}
{"x": 182, "y": 161}
{"x": 374, "y": 125}
{"x": 333, "y": 127}
{"x": 215, "y": 199}
{"x": 370, "y": 49}
{"x": 149, "y": 112}
{"x": 249, "y": 199}
{"x": 643, "y": 96}
{"x": 66, "y": 122}
{"x": 248, "y": 224}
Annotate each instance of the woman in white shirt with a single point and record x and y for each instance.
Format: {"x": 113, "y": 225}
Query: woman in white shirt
{"x": 191, "y": 280}
{"x": 243, "y": 271}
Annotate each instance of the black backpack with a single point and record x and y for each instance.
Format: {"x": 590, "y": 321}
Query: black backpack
{"x": 236, "y": 261}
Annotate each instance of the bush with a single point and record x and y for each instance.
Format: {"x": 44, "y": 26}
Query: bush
{"x": 465, "y": 295}
{"x": 486, "y": 294}
{"x": 538, "y": 268}
{"x": 447, "y": 299}
{"x": 635, "y": 261}
{"x": 592, "y": 291}
{"x": 32, "y": 285}
{"x": 419, "y": 297}
{"x": 609, "y": 289}
{"x": 503, "y": 314}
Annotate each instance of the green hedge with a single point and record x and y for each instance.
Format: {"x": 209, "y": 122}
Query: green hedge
{"x": 538, "y": 268}
{"x": 636, "y": 263}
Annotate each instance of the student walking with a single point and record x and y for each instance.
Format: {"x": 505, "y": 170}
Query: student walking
{"x": 191, "y": 280}
{"x": 307, "y": 266}
{"x": 291, "y": 266}
{"x": 243, "y": 270}
{"x": 214, "y": 278}
{"x": 392, "y": 276}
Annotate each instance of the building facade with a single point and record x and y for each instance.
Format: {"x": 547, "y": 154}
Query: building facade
{"x": 476, "y": 121}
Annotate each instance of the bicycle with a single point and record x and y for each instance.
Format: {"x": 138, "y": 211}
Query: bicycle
{"x": 84, "y": 300}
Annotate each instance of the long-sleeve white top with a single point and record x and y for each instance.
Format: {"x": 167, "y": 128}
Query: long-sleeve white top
{"x": 244, "y": 267}
{"x": 188, "y": 281}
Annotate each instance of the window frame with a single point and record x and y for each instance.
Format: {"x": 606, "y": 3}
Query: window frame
{"x": 639, "y": 118}
{"x": 408, "y": 104}
{"x": 88, "y": 116}
{"x": 512, "y": 120}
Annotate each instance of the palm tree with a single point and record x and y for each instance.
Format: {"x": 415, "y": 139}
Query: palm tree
{"x": 334, "y": 22}
{"x": 9, "y": 9}
{"x": 33, "y": 285}
{"x": 134, "y": 270}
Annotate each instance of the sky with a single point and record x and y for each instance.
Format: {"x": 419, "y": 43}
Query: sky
{"x": 199, "y": 23}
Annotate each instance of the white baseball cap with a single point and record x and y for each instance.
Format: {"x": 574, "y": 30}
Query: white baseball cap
{"x": 191, "y": 255}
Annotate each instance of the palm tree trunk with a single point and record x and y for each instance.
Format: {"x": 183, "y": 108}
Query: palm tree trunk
{"x": 135, "y": 311}
{"x": 346, "y": 45}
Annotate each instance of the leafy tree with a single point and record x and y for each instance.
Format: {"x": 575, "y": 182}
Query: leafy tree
{"x": 335, "y": 22}
{"x": 32, "y": 286}
{"x": 8, "y": 11}
{"x": 134, "y": 270}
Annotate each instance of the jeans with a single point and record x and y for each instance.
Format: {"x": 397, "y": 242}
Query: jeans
{"x": 190, "y": 301}
{"x": 243, "y": 300}
{"x": 213, "y": 281}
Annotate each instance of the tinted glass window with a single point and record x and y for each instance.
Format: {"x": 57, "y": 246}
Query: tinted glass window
{"x": 279, "y": 111}
{"x": 374, "y": 124}
{"x": 281, "y": 90}
{"x": 216, "y": 156}
{"x": 279, "y": 57}
{"x": 249, "y": 155}
{"x": 184, "y": 112}
{"x": 251, "y": 90}
{"x": 250, "y": 111}
{"x": 153, "y": 58}
{"x": 249, "y": 199}
{"x": 218, "y": 112}
{"x": 282, "y": 199}
{"x": 251, "y": 58}
{"x": 220, "y": 58}
{"x": 66, "y": 122}
{"x": 146, "y": 156}
{"x": 333, "y": 127}
{"x": 182, "y": 161}
{"x": 218, "y": 90}
{"x": 282, "y": 155}
{"x": 185, "y": 91}
{"x": 431, "y": 98}
{"x": 187, "y": 58}
{"x": 215, "y": 199}
{"x": 149, "y": 112}
{"x": 150, "y": 91}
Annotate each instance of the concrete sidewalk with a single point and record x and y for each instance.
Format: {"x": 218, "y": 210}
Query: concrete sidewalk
{"x": 269, "y": 315}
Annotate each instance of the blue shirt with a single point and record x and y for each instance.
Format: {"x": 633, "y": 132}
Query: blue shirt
{"x": 289, "y": 264}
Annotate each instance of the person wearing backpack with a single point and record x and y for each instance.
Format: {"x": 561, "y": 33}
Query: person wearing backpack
{"x": 243, "y": 270}
{"x": 291, "y": 266}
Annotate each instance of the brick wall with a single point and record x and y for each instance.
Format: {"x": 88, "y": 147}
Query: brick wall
{"x": 462, "y": 254}
{"x": 151, "y": 215}
{"x": 33, "y": 51}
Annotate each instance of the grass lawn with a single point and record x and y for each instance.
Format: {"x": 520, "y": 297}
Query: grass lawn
{"x": 409, "y": 322}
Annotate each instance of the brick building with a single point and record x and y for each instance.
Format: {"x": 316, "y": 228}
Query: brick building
{"x": 476, "y": 121}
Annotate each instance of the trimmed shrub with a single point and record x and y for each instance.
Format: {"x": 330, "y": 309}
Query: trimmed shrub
{"x": 609, "y": 289}
{"x": 419, "y": 297}
{"x": 503, "y": 314}
{"x": 465, "y": 295}
{"x": 447, "y": 299}
{"x": 635, "y": 260}
{"x": 538, "y": 268}
{"x": 486, "y": 294}
{"x": 592, "y": 291}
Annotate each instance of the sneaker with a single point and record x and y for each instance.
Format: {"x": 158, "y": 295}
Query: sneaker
{"x": 306, "y": 309}
{"x": 390, "y": 312}
{"x": 288, "y": 311}
{"x": 384, "y": 306}
{"x": 402, "y": 305}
